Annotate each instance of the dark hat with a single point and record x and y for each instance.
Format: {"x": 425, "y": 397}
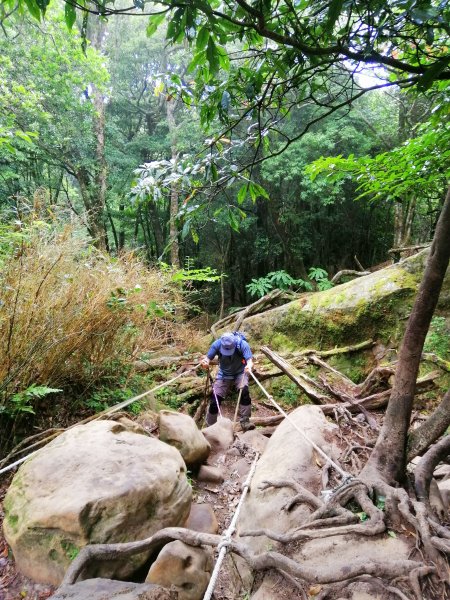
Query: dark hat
{"x": 227, "y": 344}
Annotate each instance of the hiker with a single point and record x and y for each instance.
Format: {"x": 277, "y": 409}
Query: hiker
{"x": 235, "y": 363}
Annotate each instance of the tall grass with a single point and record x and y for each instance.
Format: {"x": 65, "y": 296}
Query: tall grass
{"x": 70, "y": 315}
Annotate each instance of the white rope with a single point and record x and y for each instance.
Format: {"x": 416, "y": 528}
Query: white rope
{"x": 226, "y": 537}
{"x": 344, "y": 475}
{"x": 217, "y": 400}
{"x": 107, "y": 411}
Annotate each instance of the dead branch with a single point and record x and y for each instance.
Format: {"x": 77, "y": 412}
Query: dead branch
{"x": 431, "y": 430}
{"x": 333, "y": 351}
{"x": 376, "y": 401}
{"x": 306, "y": 384}
{"x": 258, "y": 562}
{"x": 238, "y": 317}
{"x": 408, "y": 248}
{"x": 346, "y": 272}
{"x": 315, "y": 360}
{"x": 266, "y": 421}
{"x": 375, "y": 380}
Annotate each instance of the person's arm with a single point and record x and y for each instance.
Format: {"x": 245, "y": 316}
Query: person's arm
{"x": 209, "y": 356}
{"x": 248, "y": 356}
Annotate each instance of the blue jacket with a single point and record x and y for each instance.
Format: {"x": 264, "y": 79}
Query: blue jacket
{"x": 231, "y": 366}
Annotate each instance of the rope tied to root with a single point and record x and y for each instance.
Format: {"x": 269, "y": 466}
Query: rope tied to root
{"x": 226, "y": 540}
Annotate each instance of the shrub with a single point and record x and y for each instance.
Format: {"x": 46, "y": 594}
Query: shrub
{"x": 70, "y": 315}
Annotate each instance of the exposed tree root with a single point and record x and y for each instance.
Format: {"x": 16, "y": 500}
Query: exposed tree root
{"x": 333, "y": 518}
{"x": 424, "y": 471}
{"x": 376, "y": 584}
{"x": 302, "y": 494}
{"x": 258, "y": 562}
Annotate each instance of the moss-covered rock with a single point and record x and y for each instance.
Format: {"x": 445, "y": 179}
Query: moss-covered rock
{"x": 102, "y": 482}
{"x": 374, "y": 306}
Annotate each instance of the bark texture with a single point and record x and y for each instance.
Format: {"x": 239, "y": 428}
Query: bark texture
{"x": 388, "y": 457}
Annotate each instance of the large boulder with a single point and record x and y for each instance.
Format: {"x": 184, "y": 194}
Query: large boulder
{"x": 96, "y": 483}
{"x": 181, "y": 431}
{"x": 220, "y": 436}
{"x": 374, "y": 306}
{"x": 288, "y": 456}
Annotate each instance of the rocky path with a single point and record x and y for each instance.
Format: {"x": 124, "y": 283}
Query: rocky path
{"x": 223, "y": 497}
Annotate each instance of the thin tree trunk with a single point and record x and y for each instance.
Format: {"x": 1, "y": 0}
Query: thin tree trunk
{"x": 174, "y": 193}
{"x": 388, "y": 456}
{"x": 431, "y": 430}
{"x": 99, "y": 182}
{"x": 122, "y": 227}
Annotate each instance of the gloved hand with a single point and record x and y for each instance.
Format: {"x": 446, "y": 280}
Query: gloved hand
{"x": 205, "y": 363}
{"x": 249, "y": 366}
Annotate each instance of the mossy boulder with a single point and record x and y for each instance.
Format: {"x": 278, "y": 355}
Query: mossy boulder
{"x": 374, "y": 306}
{"x": 96, "y": 483}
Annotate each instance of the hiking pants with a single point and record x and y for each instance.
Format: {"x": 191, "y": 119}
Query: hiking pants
{"x": 221, "y": 388}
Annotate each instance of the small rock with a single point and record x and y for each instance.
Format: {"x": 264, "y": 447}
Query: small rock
{"x": 188, "y": 569}
{"x": 181, "y": 431}
{"x": 255, "y": 440}
{"x": 233, "y": 452}
{"x": 210, "y": 474}
{"x": 202, "y": 518}
{"x": 220, "y": 435}
{"x": 242, "y": 467}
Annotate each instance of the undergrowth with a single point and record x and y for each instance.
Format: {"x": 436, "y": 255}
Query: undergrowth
{"x": 72, "y": 318}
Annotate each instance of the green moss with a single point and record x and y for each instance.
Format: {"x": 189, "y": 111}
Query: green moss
{"x": 12, "y": 522}
{"x": 70, "y": 550}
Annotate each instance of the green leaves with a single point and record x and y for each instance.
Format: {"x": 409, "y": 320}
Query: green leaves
{"x": 153, "y": 22}
{"x": 212, "y": 55}
{"x": 433, "y": 72}
{"x": 34, "y": 9}
{"x": 69, "y": 15}
{"x": 202, "y": 38}
{"x": 333, "y": 14}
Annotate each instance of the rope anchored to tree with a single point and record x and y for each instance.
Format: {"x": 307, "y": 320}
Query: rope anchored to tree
{"x": 226, "y": 537}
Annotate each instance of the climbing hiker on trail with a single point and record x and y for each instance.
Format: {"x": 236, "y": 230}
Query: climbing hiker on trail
{"x": 235, "y": 363}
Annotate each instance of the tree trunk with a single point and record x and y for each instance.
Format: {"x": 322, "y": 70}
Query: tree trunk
{"x": 388, "y": 456}
{"x": 93, "y": 184}
{"x": 174, "y": 192}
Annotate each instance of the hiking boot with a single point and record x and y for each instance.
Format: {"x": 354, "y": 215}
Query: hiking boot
{"x": 246, "y": 425}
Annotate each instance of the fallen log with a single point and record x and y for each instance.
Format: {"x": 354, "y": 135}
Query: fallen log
{"x": 380, "y": 400}
{"x": 310, "y": 387}
{"x": 237, "y": 318}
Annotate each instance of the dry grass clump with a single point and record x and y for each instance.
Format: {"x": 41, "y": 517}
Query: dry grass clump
{"x": 69, "y": 315}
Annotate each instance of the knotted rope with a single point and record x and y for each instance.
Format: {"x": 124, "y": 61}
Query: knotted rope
{"x": 226, "y": 537}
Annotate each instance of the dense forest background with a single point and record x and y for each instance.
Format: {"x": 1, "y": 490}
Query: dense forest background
{"x": 79, "y": 125}
{"x": 155, "y": 174}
